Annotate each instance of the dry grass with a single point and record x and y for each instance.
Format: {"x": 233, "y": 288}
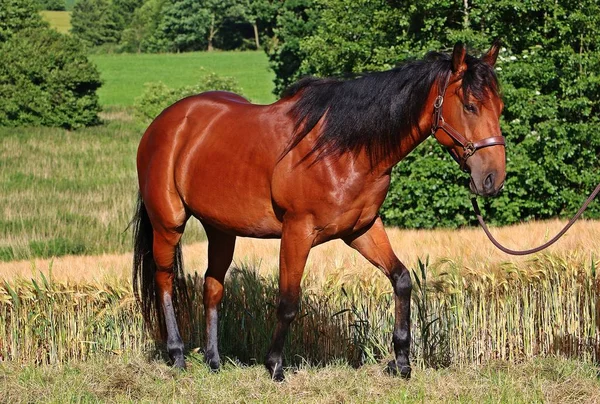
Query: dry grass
{"x": 467, "y": 248}
{"x": 136, "y": 380}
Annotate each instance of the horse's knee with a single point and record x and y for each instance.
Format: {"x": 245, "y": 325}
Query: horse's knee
{"x": 287, "y": 310}
{"x": 213, "y": 291}
{"x": 401, "y": 283}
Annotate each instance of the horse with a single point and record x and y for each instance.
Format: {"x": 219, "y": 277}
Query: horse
{"x": 311, "y": 167}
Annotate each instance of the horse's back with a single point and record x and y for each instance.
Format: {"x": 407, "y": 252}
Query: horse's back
{"x": 217, "y": 152}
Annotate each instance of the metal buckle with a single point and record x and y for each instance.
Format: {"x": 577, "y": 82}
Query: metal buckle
{"x": 439, "y": 101}
{"x": 469, "y": 150}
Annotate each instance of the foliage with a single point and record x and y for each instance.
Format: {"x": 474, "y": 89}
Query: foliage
{"x": 95, "y": 22}
{"x": 157, "y": 96}
{"x": 16, "y": 15}
{"x": 550, "y": 77}
{"x": 296, "y": 19}
{"x": 53, "y": 5}
{"x": 139, "y": 34}
{"x": 46, "y": 79}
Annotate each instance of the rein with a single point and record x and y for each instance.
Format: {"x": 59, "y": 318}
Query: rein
{"x": 469, "y": 148}
{"x": 543, "y": 246}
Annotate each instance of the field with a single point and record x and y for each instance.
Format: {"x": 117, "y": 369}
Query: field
{"x": 137, "y": 380}
{"x": 59, "y": 20}
{"x": 486, "y": 327}
{"x": 124, "y": 75}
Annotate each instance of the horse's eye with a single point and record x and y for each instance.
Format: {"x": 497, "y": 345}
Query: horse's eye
{"x": 471, "y": 108}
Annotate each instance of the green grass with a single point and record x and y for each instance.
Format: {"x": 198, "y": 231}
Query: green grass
{"x": 59, "y": 20}
{"x": 67, "y": 192}
{"x": 124, "y": 75}
{"x": 139, "y": 380}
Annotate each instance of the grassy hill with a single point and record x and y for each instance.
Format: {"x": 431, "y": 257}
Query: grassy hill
{"x": 59, "y": 20}
{"x": 124, "y": 75}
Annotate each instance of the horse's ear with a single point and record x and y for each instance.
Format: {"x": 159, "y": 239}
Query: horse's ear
{"x": 491, "y": 55}
{"x": 458, "y": 58}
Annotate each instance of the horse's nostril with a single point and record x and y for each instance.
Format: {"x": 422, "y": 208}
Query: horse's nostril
{"x": 488, "y": 183}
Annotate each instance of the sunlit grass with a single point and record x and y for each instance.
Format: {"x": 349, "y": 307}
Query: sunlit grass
{"x": 124, "y": 75}
{"x": 59, "y": 20}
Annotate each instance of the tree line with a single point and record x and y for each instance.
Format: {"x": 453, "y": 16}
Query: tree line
{"x": 174, "y": 25}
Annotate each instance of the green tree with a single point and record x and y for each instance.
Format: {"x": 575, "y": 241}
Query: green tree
{"x": 53, "y": 5}
{"x": 296, "y": 19}
{"x": 183, "y": 26}
{"x": 140, "y": 35}
{"x": 16, "y": 15}
{"x": 94, "y": 22}
{"x": 219, "y": 12}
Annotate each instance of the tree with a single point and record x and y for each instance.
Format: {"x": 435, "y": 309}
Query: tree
{"x": 296, "y": 19}
{"x": 220, "y": 11}
{"x": 141, "y": 33}
{"x": 94, "y": 22}
{"x": 261, "y": 14}
{"x": 16, "y": 15}
{"x": 183, "y": 26}
{"x": 53, "y": 5}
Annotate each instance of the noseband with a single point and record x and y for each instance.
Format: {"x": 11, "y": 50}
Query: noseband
{"x": 469, "y": 148}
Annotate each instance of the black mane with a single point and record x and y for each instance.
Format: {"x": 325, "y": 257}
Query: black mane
{"x": 373, "y": 110}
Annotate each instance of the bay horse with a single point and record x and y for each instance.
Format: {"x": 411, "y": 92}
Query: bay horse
{"x": 311, "y": 167}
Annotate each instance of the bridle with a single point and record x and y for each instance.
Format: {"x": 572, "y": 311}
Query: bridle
{"x": 469, "y": 148}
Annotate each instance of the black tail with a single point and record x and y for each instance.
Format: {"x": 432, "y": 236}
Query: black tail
{"x": 144, "y": 283}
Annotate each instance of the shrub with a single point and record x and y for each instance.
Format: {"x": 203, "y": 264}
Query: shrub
{"x": 16, "y": 15}
{"x": 46, "y": 79}
{"x": 158, "y": 96}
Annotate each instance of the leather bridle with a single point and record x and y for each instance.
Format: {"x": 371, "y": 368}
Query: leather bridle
{"x": 469, "y": 147}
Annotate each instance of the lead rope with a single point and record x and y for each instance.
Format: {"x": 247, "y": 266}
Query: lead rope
{"x": 543, "y": 246}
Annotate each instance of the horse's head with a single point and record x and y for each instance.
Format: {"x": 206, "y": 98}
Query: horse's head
{"x": 466, "y": 118}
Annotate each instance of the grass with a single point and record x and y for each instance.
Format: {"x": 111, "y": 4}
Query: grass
{"x": 59, "y": 20}
{"x": 137, "y": 380}
{"x": 124, "y": 75}
{"x": 67, "y": 192}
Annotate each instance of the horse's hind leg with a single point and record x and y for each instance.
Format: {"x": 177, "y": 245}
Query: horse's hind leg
{"x": 165, "y": 250}
{"x": 220, "y": 254}
{"x": 168, "y": 218}
{"x": 374, "y": 245}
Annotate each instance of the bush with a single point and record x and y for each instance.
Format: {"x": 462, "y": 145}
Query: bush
{"x": 46, "y": 79}
{"x": 158, "y": 96}
{"x": 16, "y": 15}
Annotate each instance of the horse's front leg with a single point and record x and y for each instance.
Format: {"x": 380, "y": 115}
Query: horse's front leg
{"x": 296, "y": 241}
{"x": 374, "y": 245}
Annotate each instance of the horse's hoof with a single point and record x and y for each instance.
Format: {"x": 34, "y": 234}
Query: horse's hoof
{"x": 278, "y": 375}
{"x": 276, "y": 371}
{"x": 214, "y": 365}
{"x": 402, "y": 371}
{"x": 179, "y": 363}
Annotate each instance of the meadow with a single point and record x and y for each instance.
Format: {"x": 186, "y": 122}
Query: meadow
{"x": 124, "y": 75}
{"x": 59, "y": 20}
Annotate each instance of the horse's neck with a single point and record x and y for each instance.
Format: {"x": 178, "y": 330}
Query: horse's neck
{"x": 409, "y": 141}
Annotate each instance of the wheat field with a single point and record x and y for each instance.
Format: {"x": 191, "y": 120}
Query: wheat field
{"x": 466, "y": 248}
